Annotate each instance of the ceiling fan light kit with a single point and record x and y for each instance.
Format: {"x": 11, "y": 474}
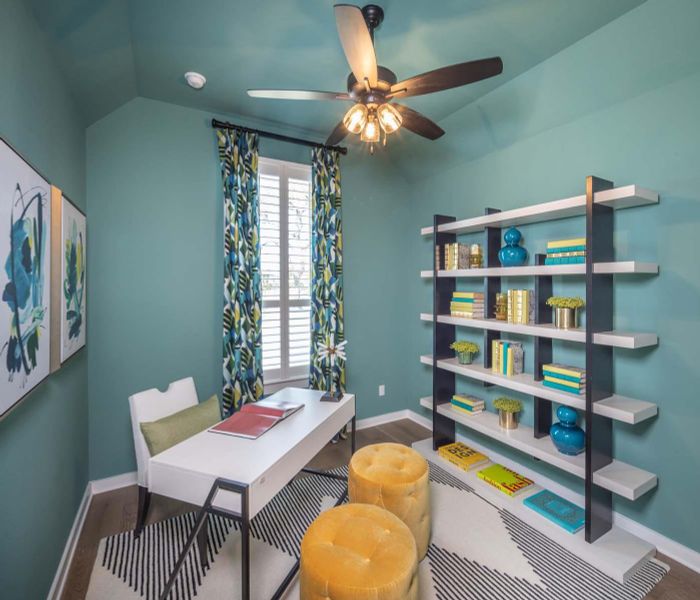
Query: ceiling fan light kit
{"x": 374, "y": 88}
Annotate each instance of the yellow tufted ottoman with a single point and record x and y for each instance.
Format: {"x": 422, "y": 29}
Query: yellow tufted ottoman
{"x": 394, "y": 477}
{"x": 358, "y": 552}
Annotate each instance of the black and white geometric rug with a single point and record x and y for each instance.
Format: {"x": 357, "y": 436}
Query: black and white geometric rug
{"x": 477, "y": 552}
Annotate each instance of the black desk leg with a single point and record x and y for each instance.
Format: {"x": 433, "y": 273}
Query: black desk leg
{"x": 202, "y": 539}
{"x": 245, "y": 548}
{"x": 353, "y": 444}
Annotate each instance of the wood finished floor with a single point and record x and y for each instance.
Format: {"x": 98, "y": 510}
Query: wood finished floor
{"x": 114, "y": 512}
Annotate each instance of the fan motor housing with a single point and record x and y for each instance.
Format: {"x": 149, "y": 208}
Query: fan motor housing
{"x": 385, "y": 79}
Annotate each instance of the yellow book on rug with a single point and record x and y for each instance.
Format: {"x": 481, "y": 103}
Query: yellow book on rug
{"x": 462, "y": 456}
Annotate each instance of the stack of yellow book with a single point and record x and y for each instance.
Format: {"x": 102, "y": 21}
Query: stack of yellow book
{"x": 566, "y": 252}
{"x": 467, "y": 304}
{"x": 467, "y": 404}
{"x": 564, "y": 378}
{"x": 462, "y": 456}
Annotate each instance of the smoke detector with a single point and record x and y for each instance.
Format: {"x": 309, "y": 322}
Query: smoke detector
{"x": 195, "y": 80}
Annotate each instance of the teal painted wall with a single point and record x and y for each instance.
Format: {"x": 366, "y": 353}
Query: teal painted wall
{"x": 43, "y": 442}
{"x": 621, "y": 104}
{"x": 155, "y": 265}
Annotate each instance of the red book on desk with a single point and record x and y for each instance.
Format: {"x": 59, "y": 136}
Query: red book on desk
{"x": 254, "y": 419}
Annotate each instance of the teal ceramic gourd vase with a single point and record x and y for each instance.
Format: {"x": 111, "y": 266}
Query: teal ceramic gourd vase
{"x": 568, "y": 437}
{"x": 512, "y": 254}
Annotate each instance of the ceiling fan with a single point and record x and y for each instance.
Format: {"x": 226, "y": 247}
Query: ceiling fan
{"x": 374, "y": 89}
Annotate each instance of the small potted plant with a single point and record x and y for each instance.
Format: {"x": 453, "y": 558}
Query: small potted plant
{"x": 465, "y": 351}
{"x": 508, "y": 409}
{"x": 565, "y": 311}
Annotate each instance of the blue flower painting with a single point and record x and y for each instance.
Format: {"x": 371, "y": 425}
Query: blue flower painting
{"x": 24, "y": 291}
{"x": 25, "y": 217}
{"x": 73, "y": 278}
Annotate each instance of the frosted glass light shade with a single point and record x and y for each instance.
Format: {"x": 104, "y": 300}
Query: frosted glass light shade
{"x": 355, "y": 119}
{"x": 389, "y": 117}
{"x": 371, "y": 131}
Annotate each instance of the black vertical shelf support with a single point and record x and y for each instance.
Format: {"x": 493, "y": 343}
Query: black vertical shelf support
{"x": 599, "y": 359}
{"x": 443, "y": 336}
{"x": 543, "y": 349}
{"x": 492, "y": 286}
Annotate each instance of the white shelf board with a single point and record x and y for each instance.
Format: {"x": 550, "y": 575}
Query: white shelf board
{"x": 618, "y": 339}
{"x": 601, "y": 268}
{"x": 620, "y": 408}
{"x": 618, "y": 553}
{"x": 623, "y": 197}
{"x": 618, "y": 477}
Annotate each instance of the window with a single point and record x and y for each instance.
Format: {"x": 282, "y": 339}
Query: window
{"x": 285, "y": 243}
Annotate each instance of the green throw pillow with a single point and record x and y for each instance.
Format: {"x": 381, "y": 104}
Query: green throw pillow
{"x": 173, "y": 429}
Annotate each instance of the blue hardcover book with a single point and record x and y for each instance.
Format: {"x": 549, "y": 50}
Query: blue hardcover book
{"x": 467, "y": 300}
{"x": 561, "y": 388}
{"x": 557, "y": 509}
{"x": 572, "y": 260}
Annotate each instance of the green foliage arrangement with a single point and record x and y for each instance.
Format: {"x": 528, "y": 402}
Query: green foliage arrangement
{"x": 510, "y": 405}
{"x": 464, "y": 346}
{"x": 565, "y": 302}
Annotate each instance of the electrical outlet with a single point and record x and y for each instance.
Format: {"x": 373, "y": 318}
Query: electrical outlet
{"x": 382, "y": 390}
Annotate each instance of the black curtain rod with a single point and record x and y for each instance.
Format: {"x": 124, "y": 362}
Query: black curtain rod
{"x": 277, "y": 136}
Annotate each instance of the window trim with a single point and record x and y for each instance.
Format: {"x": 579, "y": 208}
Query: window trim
{"x": 284, "y": 170}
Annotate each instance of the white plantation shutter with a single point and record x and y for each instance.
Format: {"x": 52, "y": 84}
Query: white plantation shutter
{"x": 285, "y": 241}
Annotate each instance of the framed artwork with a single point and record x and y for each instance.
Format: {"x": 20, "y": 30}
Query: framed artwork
{"x": 73, "y": 279}
{"x": 25, "y": 277}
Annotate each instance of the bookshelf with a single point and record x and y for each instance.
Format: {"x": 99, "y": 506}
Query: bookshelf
{"x": 601, "y": 473}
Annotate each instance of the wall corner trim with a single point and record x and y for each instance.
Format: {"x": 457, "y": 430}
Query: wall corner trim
{"x": 59, "y": 580}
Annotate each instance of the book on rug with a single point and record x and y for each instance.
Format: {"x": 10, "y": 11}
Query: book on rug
{"x": 504, "y": 479}
{"x": 462, "y": 456}
{"x": 566, "y": 514}
{"x": 254, "y": 419}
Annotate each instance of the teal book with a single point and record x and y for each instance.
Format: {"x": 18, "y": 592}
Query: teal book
{"x": 566, "y": 249}
{"x": 467, "y": 300}
{"x": 548, "y": 373}
{"x": 504, "y": 358}
{"x": 561, "y": 388}
{"x": 572, "y": 260}
{"x": 557, "y": 509}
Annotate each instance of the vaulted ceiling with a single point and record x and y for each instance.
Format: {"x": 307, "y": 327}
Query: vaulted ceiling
{"x": 114, "y": 50}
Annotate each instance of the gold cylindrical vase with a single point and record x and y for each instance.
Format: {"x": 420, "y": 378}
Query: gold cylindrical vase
{"x": 507, "y": 420}
{"x": 566, "y": 318}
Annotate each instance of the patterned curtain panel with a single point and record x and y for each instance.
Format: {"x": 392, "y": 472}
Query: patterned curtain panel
{"x": 242, "y": 367}
{"x": 327, "y": 267}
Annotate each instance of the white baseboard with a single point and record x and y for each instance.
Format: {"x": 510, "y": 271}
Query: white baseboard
{"x": 59, "y": 579}
{"x": 678, "y": 552}
{"x": 382, "y": 419}
{"x": 99, "y": 486}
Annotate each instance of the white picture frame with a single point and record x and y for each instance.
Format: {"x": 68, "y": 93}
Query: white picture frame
{"x": 25, "y": 278}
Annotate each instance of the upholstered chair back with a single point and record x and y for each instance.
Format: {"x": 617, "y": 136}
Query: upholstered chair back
{"x": 151, "y": 405}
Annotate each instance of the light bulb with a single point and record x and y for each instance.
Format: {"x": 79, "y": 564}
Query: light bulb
{"x": 389, "y": 117}
{"x": 355, "y": 119}
{"x": 371, "y": 131}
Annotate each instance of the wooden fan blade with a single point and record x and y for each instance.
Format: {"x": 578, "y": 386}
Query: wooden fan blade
{"x": 356, "y": 42}
{"x": 298, "y": 95}
{"x": 337, "y": 135}
{"x": 447, "y": 77}
{"x": 417, "y": 123}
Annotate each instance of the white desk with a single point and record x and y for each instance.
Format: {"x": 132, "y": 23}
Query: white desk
{"x": 237, "y": 477}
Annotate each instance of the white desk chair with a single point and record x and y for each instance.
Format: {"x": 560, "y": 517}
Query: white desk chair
{"x": 151, "y": 405}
